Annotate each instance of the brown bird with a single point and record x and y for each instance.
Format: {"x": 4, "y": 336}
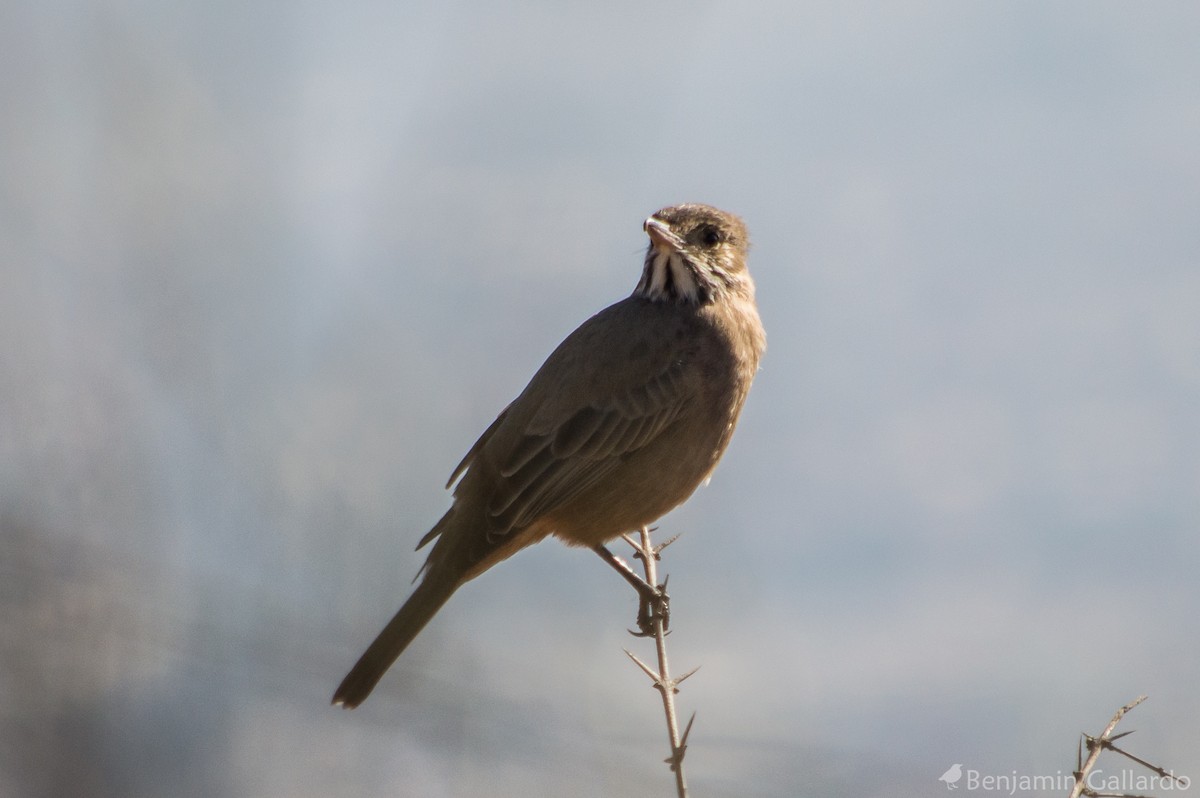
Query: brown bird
{"x": 620, "y": 424}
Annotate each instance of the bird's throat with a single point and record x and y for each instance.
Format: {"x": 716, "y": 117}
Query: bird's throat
{"x": 668, "y": 277}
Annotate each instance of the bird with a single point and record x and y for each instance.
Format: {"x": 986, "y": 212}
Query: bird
{"x": 951, "y": 776}
{"x": 620, "y": 424}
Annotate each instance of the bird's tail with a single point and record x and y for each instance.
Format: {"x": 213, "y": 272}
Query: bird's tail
{"x": 425, "y": 601}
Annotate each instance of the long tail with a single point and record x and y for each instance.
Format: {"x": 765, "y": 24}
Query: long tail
{"x": 425, "y": 601}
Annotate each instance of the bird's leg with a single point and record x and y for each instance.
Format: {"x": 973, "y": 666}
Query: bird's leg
{"x": 653, "y": 599}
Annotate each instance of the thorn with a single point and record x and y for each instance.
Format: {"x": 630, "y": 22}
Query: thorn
{"x": 645, "y": 668}
{"x": 686, "y": 675}
{"x": 687, "y": 731}
{"x": 675, "y": 760}
{"x": 665, "y": 543}
{"x": 1116, "y": 737}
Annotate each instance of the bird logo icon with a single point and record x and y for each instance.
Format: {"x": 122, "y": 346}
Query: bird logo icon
{"x": 952, "y": 776}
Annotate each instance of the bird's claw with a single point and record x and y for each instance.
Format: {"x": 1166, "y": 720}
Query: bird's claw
{"x": 654, "y": 604}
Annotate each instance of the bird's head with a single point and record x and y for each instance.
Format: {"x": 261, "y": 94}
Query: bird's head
{"x": 696, "y": 254}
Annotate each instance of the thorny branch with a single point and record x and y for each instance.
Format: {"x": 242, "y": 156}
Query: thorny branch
{"x": 1106, "y": 742}
{"x": 653, "y": 622}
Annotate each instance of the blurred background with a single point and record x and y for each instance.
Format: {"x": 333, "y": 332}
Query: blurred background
{"x": 267, "y": 269}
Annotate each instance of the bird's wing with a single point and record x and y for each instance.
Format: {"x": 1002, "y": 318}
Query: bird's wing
{"x": 469, "y": 457}
{"x": 563, "y": 451}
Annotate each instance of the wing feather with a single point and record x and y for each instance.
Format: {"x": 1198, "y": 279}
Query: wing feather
{"x": 560, "y": 487}
{"x": 528, "y": 448}
{"x": 613, "y": 425}
{"x": 469, "y": 457}
{"x": 629, "y": 434}
{"x": 578, "y": 431}
{"x": 556, "y": 459}
{"x": 520, "y": 481}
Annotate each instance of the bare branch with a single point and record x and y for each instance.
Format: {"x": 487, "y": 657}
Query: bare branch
{"x": 1105, "y": 742}
{"x": 655, "y": 618}
{"x": 1094, "y": 750}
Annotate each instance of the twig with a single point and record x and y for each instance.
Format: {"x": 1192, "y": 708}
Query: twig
{"x": 1162, "y": 772}
{"x": 1094, "y": 750}
{"x": 666, "y": 686}
{"x": 1106, "y": 742}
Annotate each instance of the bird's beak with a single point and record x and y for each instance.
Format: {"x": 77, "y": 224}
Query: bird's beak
{"x": 662, "y": 238}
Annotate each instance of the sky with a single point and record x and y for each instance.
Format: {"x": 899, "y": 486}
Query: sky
{"x": 267, "y": 269}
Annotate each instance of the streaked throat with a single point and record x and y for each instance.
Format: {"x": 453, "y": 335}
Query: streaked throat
{"x": 669, "y": 277}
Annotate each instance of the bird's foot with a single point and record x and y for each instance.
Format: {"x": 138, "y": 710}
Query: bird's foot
{"x": 653, "y": 604}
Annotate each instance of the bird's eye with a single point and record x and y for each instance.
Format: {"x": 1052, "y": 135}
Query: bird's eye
{"x": 710, "y": 236}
